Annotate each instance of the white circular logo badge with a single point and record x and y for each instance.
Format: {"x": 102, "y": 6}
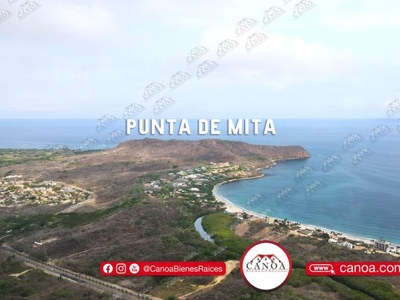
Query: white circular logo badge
{"x": 266, "y": 265}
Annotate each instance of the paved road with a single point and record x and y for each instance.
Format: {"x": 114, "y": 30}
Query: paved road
{"x": 88, "y": 281}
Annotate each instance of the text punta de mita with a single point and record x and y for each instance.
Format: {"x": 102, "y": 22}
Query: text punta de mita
{"x": 203, "y": 126}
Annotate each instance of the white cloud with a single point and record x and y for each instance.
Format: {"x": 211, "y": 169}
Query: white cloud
{"x": 98, "y": 54}
{"x": 66, "y": 20}
{"x": 359, "y": 15}
{"x": 362, "y": 21}
{"x": 282, "y": 61}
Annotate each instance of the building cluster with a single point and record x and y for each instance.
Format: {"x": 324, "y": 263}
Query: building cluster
{"x": 337, "y": 239}
{"x": 192, "y": 182}
{"x": 19, "y": 192}
{"x": 369, "y": 247}
{"x": 386, "y": 246}
{"x": 341, "y": 242}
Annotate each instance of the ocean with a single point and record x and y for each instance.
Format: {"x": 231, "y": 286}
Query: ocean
{"x": 350, "y": 183}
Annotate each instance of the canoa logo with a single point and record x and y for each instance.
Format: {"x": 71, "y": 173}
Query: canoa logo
{"x": 266, "y": 265}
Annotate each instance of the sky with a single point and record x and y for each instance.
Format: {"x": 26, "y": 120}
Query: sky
{"x": 86, "y": 59}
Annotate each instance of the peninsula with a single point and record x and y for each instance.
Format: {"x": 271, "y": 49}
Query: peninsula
{"x": 145, "y": 196}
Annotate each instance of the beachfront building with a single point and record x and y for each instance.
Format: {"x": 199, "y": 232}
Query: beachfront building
{"x": 381, "y": 245}
{"x": 348, "y": 245}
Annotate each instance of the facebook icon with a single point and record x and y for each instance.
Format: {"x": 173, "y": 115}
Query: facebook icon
{"x": 107, "y": 268}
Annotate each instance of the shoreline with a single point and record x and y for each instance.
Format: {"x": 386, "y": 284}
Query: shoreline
{"x": 234, "y": 209}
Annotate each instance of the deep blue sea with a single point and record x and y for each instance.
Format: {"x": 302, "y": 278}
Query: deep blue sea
{"x": 351, "y": 182}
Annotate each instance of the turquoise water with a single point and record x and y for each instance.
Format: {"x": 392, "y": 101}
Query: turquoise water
{"x": 357, "y": 196}
{"x": 361, "y": 198}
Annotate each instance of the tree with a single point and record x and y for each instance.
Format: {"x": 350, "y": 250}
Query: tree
{"x": 325, "y": 236}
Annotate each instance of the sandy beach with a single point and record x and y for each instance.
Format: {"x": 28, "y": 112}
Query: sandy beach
{"x": 233, "y": 208}
{"x": 229, "y": 206}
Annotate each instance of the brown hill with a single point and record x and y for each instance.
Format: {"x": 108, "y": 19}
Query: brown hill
{"x": 212, "y": 150}
{"x": 110, "y": 173}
